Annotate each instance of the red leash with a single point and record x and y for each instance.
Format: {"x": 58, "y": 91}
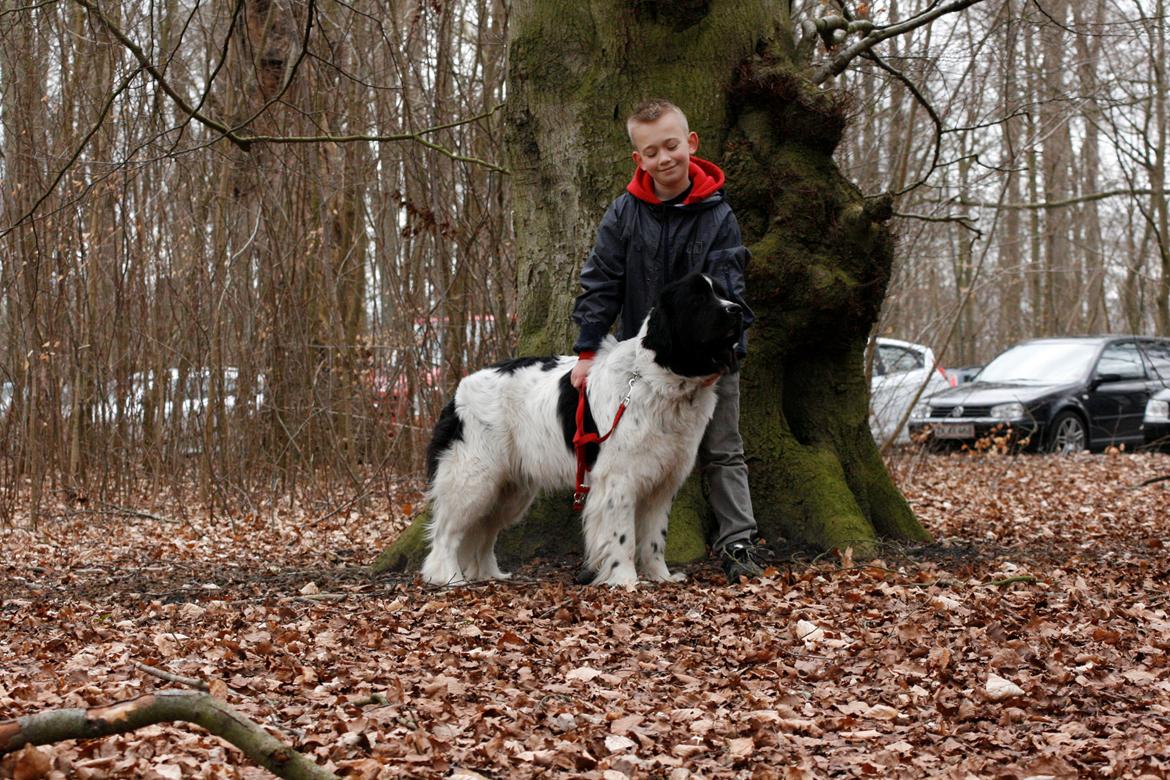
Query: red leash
{"x": 581, "y": 439}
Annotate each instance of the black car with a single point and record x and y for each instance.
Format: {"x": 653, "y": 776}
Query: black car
{"x": 1056, "y": 395}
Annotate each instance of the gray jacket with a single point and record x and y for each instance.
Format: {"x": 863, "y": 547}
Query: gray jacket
{"x": 641, "y": 247}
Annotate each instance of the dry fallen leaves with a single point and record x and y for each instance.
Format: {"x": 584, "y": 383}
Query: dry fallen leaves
{"x": 1031, "y": 641}
{"x": 998, "y": 689}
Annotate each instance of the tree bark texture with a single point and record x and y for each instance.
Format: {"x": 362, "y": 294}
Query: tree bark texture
{"x": 820, "y": 256}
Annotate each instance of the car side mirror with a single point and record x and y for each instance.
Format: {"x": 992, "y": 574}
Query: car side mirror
{"x": 1101, "y": 379}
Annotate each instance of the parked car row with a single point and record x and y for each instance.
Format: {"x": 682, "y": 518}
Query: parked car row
{"x": 902, "y": 372}
{"x": 1058, "y": 395}
{"x": 182, "y": 395}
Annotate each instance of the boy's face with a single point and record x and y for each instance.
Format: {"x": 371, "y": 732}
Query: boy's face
{"x": 663, "y": 149}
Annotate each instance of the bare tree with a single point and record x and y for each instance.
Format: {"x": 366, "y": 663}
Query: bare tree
{"x": 229, "y": 232}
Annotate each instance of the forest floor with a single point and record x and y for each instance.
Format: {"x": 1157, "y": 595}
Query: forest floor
{"x": 1031, "y": 640}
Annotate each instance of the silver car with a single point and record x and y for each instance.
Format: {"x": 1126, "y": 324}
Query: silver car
{"x": 901, "y": 369}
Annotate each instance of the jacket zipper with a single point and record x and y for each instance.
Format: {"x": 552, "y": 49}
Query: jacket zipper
{"x": 663, "y": 271}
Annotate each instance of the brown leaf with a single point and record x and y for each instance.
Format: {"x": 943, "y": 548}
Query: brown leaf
{"x": 30, "y": 763}
{"x": 741, "y": 747}
{"x": 625, "y": 725}
{"x": 218, "y": 688}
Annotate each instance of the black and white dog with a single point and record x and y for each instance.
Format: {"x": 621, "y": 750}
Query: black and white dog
{"x": 509, "y": 433}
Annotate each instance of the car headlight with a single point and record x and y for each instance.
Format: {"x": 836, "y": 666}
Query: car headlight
{"x": 920, "y": 412}
{"x": 1157, "y": 411}
{"x": 1010, "y": 411}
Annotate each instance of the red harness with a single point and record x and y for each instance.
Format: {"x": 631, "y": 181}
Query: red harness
{"x": 581, "y": 439}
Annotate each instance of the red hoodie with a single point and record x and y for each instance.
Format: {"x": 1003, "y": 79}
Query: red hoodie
{"x": 706, "y": 180}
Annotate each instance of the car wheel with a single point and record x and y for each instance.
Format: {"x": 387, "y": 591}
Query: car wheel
{"x": 1066, "y": 434}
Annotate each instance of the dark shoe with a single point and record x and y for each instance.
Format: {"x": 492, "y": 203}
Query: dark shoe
{"x": 741, "y": 559}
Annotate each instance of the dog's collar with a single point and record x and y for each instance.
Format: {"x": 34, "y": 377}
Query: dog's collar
{"x": 705, "y": 381}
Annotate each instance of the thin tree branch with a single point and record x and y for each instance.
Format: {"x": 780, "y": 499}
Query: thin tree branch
{"x": 159, "y": 78}
{"x": 24, "y": 8}
{"x": 962, "y": 220}
{"x": 245, "y": 141}
{"x": 223, "y": 57}
{"x": 1054, "y": 204}
{"x": 1053, "y": 19}
{"x": 839, "y": 62}
{"x": 922, "y": 101}
{"x": 76, "y": 153}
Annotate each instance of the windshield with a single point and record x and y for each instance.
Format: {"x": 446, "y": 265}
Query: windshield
{"x": 1047, "y": 362}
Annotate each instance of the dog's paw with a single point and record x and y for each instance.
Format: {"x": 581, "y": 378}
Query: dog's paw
{"x": 656, "y": 571}
{"x": 453, "y": 581}
{"x": 619, "y": 578}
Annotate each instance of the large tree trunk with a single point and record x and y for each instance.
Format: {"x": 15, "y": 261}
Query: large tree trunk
{"x": 820, "y": 257}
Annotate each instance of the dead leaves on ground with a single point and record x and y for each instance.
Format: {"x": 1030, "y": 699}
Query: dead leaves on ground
{"x": 1032, "y": 641}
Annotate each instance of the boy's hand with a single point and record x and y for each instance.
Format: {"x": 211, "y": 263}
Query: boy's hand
{"x": 580, "y": 371}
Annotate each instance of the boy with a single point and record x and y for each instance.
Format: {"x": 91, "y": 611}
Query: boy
{"x": 673, "y": 220}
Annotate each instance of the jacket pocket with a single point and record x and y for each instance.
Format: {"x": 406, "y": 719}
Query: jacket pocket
{"x": 696, "y": 253}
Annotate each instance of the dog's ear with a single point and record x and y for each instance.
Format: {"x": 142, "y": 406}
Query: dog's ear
{"x": 720, "y": 290}
{"x": 658, "y": 338}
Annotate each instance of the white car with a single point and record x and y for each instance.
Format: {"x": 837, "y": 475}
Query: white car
{"x": 900, "y": 370}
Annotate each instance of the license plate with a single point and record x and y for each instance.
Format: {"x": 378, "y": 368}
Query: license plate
{"x": 954, "y": 430}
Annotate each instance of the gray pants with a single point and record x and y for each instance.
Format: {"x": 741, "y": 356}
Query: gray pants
{"x": 724, "y": 468}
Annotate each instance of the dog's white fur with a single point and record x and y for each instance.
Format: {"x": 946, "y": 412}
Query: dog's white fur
{"x": 513, "y": 446}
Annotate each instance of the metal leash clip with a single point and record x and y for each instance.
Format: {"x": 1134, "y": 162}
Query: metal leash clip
{"x": 629, "y": 392}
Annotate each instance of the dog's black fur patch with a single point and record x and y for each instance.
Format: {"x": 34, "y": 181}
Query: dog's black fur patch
{"x": 515, "y": 364}
{"x": 448, "y": 430}
{"x": 567, "y": 412}
{"x": 691, "y": 332}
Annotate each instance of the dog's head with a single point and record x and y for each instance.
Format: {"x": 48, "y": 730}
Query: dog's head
{"x": 694, "y": 328}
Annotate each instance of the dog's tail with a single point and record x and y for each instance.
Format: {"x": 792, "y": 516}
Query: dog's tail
{"x": 448, "y": 430}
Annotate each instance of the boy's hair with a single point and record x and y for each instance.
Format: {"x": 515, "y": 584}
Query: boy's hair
{"x": 649, "y": 111}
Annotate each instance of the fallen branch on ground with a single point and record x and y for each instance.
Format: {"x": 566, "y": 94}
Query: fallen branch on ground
{"x": 216, "y": 716}
{"x": 190, "y": 682}
{"x": 1010, "y": 581}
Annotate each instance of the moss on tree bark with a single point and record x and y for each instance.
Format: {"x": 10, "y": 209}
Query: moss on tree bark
{"x": 821, "y": 255}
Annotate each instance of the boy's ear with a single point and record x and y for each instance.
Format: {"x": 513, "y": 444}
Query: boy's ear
{"x": 693, "y": 141}
{"x": 637, "y": 158}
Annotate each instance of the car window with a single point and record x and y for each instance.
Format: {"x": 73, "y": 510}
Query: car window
{"x": 1123, "y": 359}
{"x": 1047, "y": 362}
{"x": 1157, "y": 358}
{"x": 895, "y": 359}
